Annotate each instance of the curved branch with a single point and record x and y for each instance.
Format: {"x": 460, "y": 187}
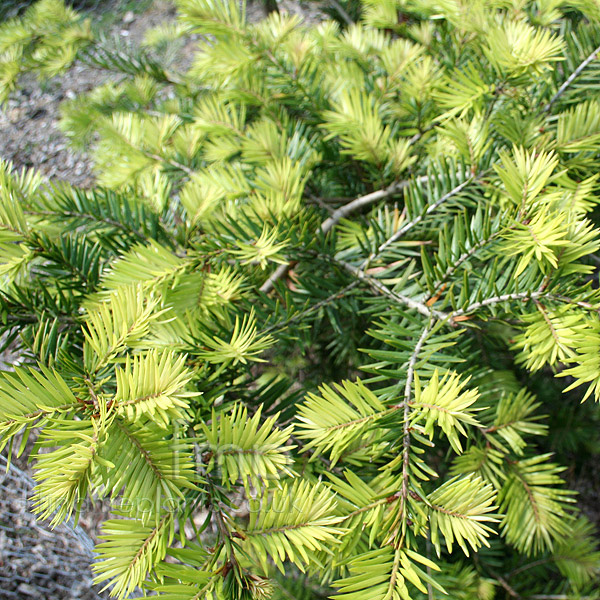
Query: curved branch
{"x": 398, "y": 298}
{"x": 571, "y": 78}
{"x": 335, "y": 218}
{"x": 366, "y": 200}
{"x": 408, "y": 226}
{"x": 353, "y": 206}
{"x": 495, "y": 300}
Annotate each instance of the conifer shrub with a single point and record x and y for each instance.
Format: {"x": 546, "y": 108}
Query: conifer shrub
{"x": 313, "y": 331}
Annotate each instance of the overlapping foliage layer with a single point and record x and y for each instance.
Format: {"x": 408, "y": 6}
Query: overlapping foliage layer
{"x": 295, "y": 332}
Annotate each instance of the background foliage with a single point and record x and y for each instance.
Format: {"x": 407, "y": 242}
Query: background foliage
{"x": 301, "y": 333}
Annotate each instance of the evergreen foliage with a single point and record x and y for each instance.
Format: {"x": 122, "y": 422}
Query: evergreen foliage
{"x": 296, "y": 332}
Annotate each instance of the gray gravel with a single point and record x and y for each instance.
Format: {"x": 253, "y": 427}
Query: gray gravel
{"x": 35, "y": 561}
{"x": 30, "y": 136}
{"x": 28, "y": 124}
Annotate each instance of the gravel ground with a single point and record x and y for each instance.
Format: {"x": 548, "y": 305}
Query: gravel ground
{"x": 30, "y": 136}
{"x": 36, "y": 562}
